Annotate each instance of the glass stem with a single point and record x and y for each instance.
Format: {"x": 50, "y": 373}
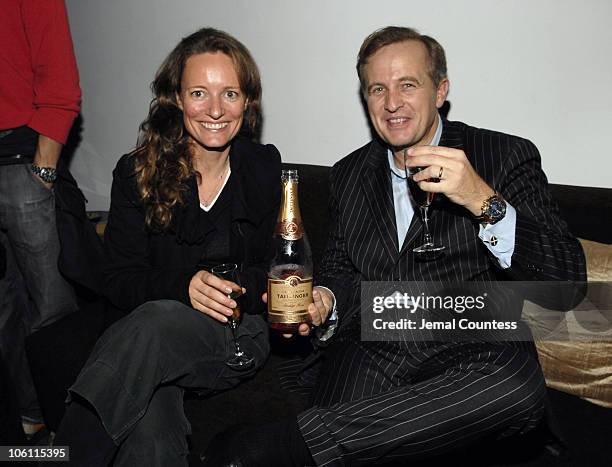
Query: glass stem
{"x": 425, "y": 217}
{"x": 233, "y": 325}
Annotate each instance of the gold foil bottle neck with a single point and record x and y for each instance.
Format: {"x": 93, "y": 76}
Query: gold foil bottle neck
{"x": 289, "y": 224}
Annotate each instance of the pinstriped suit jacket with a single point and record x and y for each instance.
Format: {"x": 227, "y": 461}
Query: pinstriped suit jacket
{"x": 363, "y": 246}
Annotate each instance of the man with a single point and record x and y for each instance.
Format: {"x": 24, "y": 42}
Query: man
{"x": 377, "y": 402}
{"x": 39, "y": 98}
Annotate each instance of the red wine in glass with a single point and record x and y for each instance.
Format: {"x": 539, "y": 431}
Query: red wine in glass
{"x": 422, "y": 198}
{"x": 429, "y": 249}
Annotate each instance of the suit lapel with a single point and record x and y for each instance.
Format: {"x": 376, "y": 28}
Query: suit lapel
{"x": 452, "y": 136}
{"x": 379, "y": 195}
{"x": 413, "y": 233}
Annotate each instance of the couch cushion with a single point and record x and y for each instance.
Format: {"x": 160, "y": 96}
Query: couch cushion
{"x": 576, "y": 356}
{"x": 599, "y": 260}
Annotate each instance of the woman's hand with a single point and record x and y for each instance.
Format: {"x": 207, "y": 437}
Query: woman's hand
{"x": 209, "y": 295}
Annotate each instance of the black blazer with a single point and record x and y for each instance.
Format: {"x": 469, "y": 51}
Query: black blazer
{"x": 362, "y": 244}
{"x": 142, "y": 265}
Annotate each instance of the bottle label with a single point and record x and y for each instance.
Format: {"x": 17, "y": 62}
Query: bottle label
{"x": 290, "y": 229}
{"x": 289, "y": 299}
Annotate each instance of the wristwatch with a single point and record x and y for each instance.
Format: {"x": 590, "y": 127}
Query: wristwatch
{"x": 493, "y": 209}
{"x": 46, "y": 174}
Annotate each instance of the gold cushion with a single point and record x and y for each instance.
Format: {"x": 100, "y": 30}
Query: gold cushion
{"x": 599, "y": 260}
{"x": 581, "y": 362}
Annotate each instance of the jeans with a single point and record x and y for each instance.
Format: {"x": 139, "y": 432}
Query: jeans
{"x": 137, "y": 373}
{"x": 33, "y": 292}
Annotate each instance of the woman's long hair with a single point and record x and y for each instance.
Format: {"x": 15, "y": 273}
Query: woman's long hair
{"x": 162, "y": 158}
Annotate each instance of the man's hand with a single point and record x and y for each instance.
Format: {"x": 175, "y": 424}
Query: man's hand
{"x": 318, "y": 310}
{"x": 209, "y": 295}
{"x": 460, "y": 182}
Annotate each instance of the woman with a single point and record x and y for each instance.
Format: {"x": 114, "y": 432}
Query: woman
{"x": 197, "y": 192}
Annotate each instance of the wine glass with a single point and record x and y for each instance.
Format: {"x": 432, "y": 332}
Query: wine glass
{"x": 229, "y": 272}
{"x": 429, "y": 249}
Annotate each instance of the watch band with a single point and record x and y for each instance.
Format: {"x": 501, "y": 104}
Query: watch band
{"x": 46, "y": 174}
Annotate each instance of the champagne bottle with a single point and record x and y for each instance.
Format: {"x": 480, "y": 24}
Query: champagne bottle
{"x": 290, "y": 273}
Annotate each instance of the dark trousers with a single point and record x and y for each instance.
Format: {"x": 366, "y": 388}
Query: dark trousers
{"x": 378, "y": 402}
{"x": 33, "y": 293}
{"x": 11, "y": 432}
{"x": 140, "y": 367}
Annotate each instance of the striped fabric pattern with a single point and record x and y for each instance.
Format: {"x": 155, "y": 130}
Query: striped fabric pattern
{"x": 398, "y": 401}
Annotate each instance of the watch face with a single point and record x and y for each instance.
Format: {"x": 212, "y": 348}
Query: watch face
{"x": 497, "y": 209}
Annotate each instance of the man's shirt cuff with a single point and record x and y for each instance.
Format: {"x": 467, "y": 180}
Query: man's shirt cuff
{"x": 500, "y": 237}
{"x": 326, "y": 331}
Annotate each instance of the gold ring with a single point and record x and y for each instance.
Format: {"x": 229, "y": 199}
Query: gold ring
{"x": 440, "y": 173}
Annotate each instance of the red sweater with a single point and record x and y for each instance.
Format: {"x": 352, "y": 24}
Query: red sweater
{"x": 39, "y": 80}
